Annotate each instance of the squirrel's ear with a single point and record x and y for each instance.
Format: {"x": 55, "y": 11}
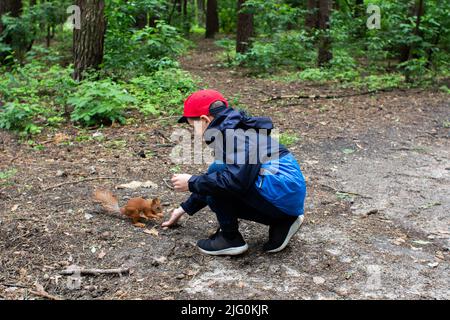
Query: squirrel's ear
{"x": 156, "y": 200}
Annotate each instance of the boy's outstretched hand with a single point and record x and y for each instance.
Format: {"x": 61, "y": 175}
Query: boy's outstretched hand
{"x": 180, "y": 182}
{"x": 174, "y": 217}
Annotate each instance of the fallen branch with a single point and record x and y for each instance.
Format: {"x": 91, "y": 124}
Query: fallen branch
{"x": 165, "y": 145}
{"x": 13, "y": 285}
{"x": 345, "y": 192}
{"x": 78, "y": 181}
{"x": 321, "y": 96}
{"x": 44, "y": 294}
{"x": 94, "y": 272}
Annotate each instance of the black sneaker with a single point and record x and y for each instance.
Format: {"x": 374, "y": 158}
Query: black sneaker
{"x": 280, "y": 234}
{"x": 218, "y": 244}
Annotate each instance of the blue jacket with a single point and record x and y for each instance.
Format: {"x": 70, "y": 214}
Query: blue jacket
{"x": 277, "y": 178}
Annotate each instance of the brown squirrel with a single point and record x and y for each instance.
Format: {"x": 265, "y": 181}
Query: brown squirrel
{"x": 135, "y": 208}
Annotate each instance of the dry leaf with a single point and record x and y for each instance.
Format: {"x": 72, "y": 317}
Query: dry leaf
{"x": 15, "y": 207}
{"x": 102, "y": 254}
{"x": 60, "y": 137}
{"x": 318, "y": 280}
{"x": 39, "y": 287}
{"x": 152, "y": 232}
{"x": 138, "y": 184}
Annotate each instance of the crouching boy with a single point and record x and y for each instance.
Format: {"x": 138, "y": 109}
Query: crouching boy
{"x": 253, "y": 177}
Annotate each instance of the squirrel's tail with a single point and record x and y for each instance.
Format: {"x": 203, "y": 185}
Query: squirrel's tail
{"x": 108, "y": 200}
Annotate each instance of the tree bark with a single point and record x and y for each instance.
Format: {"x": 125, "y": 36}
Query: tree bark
{"x": 419, "y": 9}
{"x": 324, "y": 55}
{"x": 186, "y": 24}
{"x": 89, "y": 40}
{"x": 245, "y": 29}
{"x": 312, "y": 15}
{"x": 359, "y": 8}
{"x": 141, "y": 20}
{"x": 212, "y": 19}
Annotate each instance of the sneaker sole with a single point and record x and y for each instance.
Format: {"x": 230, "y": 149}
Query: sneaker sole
{"x": 226, "y": 252}
{"x": 292, "y": 230}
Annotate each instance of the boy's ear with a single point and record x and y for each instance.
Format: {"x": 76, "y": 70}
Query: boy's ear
{"x": 208, "y": 119}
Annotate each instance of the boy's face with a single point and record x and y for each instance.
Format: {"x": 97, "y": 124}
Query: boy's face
{"x": 200, "y": 124}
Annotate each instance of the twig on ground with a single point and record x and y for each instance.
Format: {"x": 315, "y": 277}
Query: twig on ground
{"x": 13, "y": 285}
{"x": 174, "y": 290}
{"x": 321, "y": 96}
{"x": 165, "y": 145}
{"x": 95, "y": 272}
{"x": 44, "y": 294}
{"x": 168, "y": 185}
{"x": 342, "y": 191}
{"x": 78, "y": 181}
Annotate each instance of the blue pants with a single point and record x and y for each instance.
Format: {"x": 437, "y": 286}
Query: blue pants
{"x": 251, "y": 206}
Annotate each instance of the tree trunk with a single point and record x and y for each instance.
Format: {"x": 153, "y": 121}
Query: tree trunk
{"x": 212, "y": 19}
{"x": 245, "y": 29}
{"x": 419, "y": 9}
{"x": 324, "y": 55}
{"x": 359, "y": 8}
{"x": 141, "y": 20}
{"x": 200, "y": 10}
{"x": 13, "y": 7}
{"x": 312, "y": 15}
{"x": 88, "y": 41}
{"x": 186, "y": 24}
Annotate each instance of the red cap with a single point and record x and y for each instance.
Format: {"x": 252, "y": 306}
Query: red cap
{"x": 198, "y": 103}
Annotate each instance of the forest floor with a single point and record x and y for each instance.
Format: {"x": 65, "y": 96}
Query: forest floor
{"x": 377, "y": 212}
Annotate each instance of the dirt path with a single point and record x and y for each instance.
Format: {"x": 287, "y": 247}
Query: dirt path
{"x": 377, "y": 210}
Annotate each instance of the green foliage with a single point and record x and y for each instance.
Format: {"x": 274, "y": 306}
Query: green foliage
{"x": 445, "y": 89}
{"x": 228, "y": 56}
{"x": 21, "y": 32}
{"x": 19, "y": 117}
{"x": 384, "y": 81}
{"x": 100, "y": 101}
{"x": 145, "y": 50}
{"x": 161, "y": 92}
{"x": 140, "y": 72}
{"x": 289, "y": 49}
{"x": 34, "y": 94}
{"x": 6, "y": 175}
{"x": 272, "y": 16}
{"x": 288, "y": 139}
{"x": 227, "y": 16}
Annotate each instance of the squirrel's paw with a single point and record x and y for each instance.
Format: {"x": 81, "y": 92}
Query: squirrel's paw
{"x": 139, "y": 225}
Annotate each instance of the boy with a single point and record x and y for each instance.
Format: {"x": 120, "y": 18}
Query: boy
{"x": 246, "y": 181}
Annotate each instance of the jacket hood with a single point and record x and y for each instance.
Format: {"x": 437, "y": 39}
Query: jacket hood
{"x": 235, "y": 119}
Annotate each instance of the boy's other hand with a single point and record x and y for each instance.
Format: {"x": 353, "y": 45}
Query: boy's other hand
{"x": 180, "y": 182}
{"x": 174, "y": 217}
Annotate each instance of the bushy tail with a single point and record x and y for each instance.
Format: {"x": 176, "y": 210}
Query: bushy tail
{"x": 108, "y": 200}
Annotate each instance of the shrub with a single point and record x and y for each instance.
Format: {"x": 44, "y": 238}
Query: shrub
{"x": 163, "y": 91}
{"x": 33, "y": 95}
{"x": 145, "y": 50}
{"x": 291, "y": 49}
{"x": 99, "y": 101}
{"x": 19, "y": 117}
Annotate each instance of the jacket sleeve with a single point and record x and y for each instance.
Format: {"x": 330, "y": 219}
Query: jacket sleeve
{"x": 235, "y": 179}
{"x": 194, "y": 203}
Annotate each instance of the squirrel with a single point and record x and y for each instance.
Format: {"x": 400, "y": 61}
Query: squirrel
{"x": 135, "y": 208}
